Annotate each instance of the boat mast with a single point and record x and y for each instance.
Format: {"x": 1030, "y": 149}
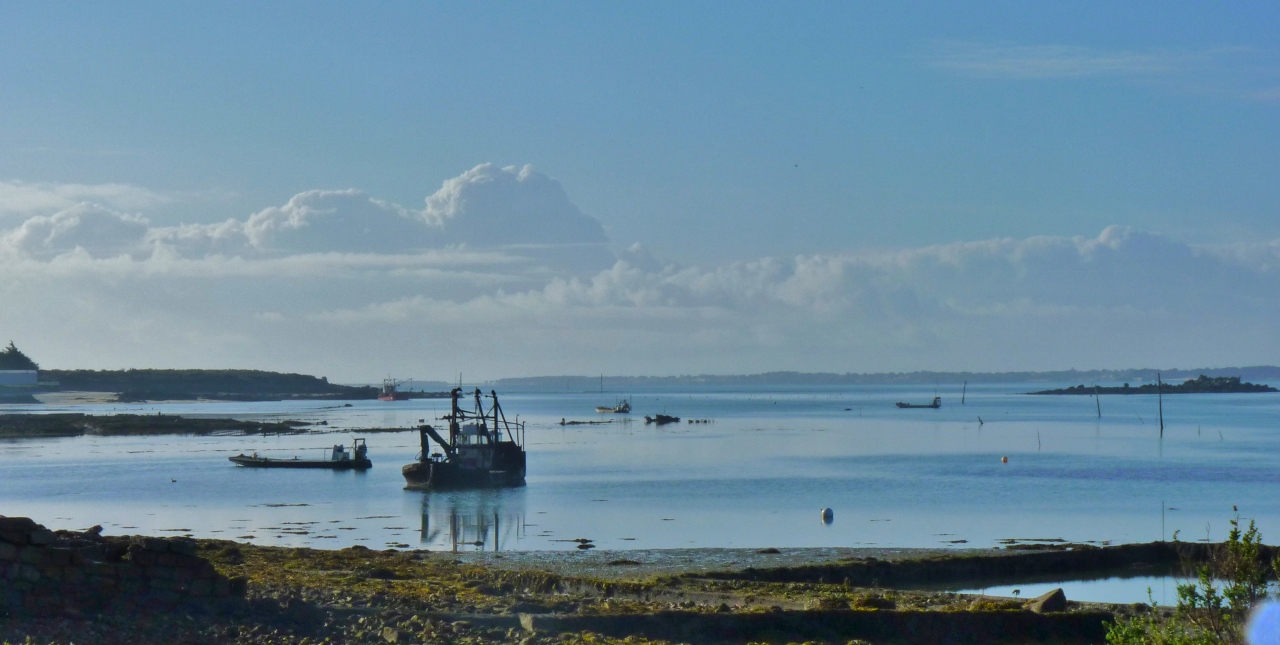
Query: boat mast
{"x": 484, "y": 429}
{"x": 453, "y": 417}
{"x": 497, "y": 410}
{"x": 1160, "y": 400}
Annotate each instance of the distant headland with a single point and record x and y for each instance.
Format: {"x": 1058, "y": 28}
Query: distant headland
{"x": 579, "y": 383}
{"x": 1201, "y": 385}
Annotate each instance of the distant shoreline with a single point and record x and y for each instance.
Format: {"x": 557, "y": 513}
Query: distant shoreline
{"x": 47, "y": 426}
{"x": 587, "y": 384}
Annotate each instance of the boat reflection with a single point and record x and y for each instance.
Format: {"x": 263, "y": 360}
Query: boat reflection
{"x": 476, "y": 520}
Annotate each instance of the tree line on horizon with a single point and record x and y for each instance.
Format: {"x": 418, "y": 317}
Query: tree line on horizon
{"x": 12, "y": 358}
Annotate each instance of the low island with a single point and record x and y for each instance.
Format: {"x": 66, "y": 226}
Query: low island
{"x": 1201, "y": 385}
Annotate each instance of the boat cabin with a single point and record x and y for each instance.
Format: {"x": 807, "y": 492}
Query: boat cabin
{"x": 358, "y": 451}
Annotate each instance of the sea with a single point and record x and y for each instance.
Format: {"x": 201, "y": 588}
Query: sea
{"x": 1000, "y": 467}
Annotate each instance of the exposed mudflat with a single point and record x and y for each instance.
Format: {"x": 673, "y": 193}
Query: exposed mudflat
{"x": 644, "y": 564}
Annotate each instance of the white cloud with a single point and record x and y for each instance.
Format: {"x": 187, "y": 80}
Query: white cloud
{"x": 343, "y": 284}
{"x": 88, "y": 228}
{"x": 44, "y": 198}
{"x": 518, "y": 213}
{"x": 509, "y": 206}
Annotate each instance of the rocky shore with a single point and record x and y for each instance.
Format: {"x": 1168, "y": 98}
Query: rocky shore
{"x": 34, "y": 426}
{"x": 357, "y": 595}
{"x": 21, "y": 426}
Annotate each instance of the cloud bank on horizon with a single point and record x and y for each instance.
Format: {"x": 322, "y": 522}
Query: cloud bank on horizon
{"x": 500, "y": 274}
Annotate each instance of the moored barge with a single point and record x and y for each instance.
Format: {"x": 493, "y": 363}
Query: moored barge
{"x": 339, "y": 459}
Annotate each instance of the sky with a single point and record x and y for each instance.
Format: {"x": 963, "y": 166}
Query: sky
{"x": 509, "y": 189}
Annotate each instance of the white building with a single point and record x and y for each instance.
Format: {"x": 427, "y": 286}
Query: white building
{"x": 19, "y": 377}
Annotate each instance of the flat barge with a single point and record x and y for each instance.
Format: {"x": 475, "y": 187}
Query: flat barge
{"x": 339, "y": 459}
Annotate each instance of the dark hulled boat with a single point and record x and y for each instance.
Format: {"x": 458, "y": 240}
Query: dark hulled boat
{"x": 339, "y": 459}
{"x": 661, "y": 419}
{"x": 937, "y": 403}
{"x": 482, "y": 450}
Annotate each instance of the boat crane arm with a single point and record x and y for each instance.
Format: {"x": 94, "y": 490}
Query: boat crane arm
{"x": 428, "y": 431}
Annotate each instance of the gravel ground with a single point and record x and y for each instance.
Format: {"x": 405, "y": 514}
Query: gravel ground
{"x": 649, "y": 563}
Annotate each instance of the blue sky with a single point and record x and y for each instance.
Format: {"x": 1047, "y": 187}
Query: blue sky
{"x": 716, "y": 135}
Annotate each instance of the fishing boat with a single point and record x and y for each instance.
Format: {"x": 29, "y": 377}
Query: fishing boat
{"x": 621, "y": 407}
{"x": 389, "y": 391}
{"x": 661, "y": 419}
{"x": 483, "y": 449}
{"x": 937, "y": 403}
{"x": 339, "y": 459}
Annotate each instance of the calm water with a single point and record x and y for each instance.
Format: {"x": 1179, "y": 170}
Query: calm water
{"x": 757, "y": 476}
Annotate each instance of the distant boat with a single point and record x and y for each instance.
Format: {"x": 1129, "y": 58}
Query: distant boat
{"x": 937, "y": 403}
{"x": 339, "y": 459}
{"x": 621, "y": 407}
{"x": 389, "y": 391}
{"x": 661, "y": 419}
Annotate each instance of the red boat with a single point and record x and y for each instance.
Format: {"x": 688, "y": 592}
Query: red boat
{"x": 389, "y": 392}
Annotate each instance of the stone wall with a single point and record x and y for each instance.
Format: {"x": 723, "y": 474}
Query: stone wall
{"x": 43, "y": 571}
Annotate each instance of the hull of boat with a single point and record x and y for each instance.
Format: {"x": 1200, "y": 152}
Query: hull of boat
{"x": 266, "y": 462}
{"x": 429, "y": 475}
{"x": 921, "y": 405}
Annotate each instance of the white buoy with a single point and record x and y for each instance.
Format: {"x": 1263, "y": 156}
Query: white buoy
{"x": 828, "y": 516}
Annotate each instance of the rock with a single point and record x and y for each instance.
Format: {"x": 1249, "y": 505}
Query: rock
{"x": 1055, "y": 600}
{"x": 17, "y": 524}
{"x": 826, "y": 603}
{"x": 392, "y": 635}
{"x": 182, "y": 545}
{"x": 151, "y": 544}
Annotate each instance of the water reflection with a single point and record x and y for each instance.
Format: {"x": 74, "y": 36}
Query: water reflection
{"x": 482, "y": 520}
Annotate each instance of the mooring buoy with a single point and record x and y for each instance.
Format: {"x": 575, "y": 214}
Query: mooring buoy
{"x": 828, "y": 515}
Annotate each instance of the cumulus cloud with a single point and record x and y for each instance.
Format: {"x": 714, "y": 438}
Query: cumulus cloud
{"x": 515, "y": 211}
{"x": 340, "y": 280}
{"x": 316, "y": 221}
{"x": 86, "y": 228}
{"x": 509, "y": 206}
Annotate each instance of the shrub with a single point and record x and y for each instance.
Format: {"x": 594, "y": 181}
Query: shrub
{"x": 1213, "y": 609}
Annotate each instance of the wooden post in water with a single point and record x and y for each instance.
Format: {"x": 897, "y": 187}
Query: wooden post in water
{"x": 963, "y": 390}
{"x": 1097, "y": 400}
{"x": 1160, "y": 402}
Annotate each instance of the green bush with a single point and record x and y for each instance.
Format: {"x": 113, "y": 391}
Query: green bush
{"x": 1213, "y": 609}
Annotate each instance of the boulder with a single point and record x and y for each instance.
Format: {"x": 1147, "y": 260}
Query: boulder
{"x": 1055, "y": 600}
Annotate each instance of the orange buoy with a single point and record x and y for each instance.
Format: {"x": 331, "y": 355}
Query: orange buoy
{"x": 1004, "y": 460}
